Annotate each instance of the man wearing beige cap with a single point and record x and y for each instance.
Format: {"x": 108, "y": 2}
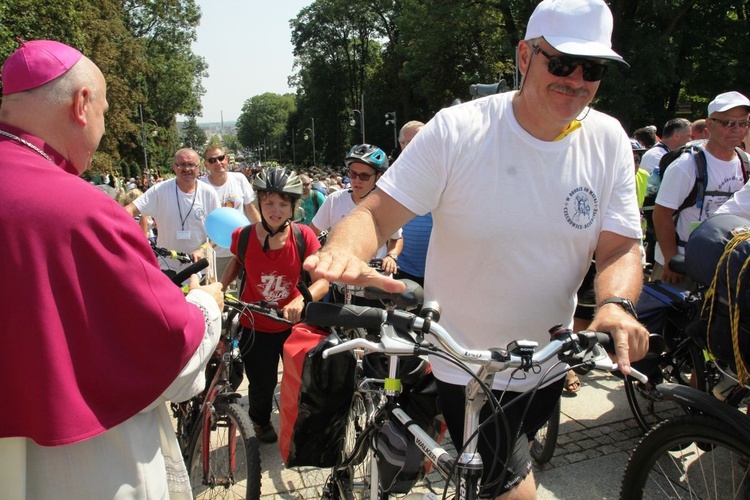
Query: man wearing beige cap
{"x": 524, "y": 187}
{"x": 680, "y": 206}
{"x": 95, "y": 337}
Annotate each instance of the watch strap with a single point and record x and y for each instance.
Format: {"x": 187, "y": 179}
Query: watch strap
{"x": 626, "y": 304}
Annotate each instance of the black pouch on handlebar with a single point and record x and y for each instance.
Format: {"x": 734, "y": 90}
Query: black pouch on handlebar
{"x": 316, "y": 394}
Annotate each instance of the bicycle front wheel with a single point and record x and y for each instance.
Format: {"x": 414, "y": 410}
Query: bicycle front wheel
{"x": 691, "y": 456}
{"x": 229, "y": 467}
{"x": 545, "y": 440}
{"x": 648, "y": 405}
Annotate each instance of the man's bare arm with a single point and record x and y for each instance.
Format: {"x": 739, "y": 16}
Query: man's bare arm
{"x": 356, "y": 239}
{"x": 619, "y": 274}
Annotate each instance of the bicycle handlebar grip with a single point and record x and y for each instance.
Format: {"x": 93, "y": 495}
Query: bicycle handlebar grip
{"x": 349, "y": 316}
{"x": 189, "y": 271}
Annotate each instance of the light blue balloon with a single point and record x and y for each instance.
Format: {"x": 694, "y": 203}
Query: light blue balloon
{"x": 221, "y": 223}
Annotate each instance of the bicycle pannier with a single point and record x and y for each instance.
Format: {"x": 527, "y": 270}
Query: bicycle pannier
{"x": 315, "y": 397}
{"x": 718, "y": 254}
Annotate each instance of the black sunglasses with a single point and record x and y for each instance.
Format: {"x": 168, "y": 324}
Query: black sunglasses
{"x": 565, "y": 65}
{"x": 217, "y": 158}
{"x": 362, "y": 177}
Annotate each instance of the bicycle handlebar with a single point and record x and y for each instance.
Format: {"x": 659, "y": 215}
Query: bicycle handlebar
{"x": 399, "y": 340}
{"x": 178, "y": 278}
{"x": 267, "y": 309}
{"x": 165, "y": 252}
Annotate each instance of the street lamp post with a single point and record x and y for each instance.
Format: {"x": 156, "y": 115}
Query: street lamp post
{"x": 312, "y": 132}
{"x": 144, "y": 138}
{"x": 294, "y": 155}
{"x": 361, "y": 113}
{"x": 391, "y": 120}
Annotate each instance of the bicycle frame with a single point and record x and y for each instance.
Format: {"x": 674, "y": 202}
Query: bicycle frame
{"x": 394, "y": 323}
{"x": 200, "y": 414}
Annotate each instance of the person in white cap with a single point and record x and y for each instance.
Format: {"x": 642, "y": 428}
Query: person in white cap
{"x": 679, "y": 209}
{"x": 86, "y": 381}
{"x": 524, "y": 188}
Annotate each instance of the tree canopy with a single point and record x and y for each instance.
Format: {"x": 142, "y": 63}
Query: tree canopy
{"x": 143, "y": 49}
{"x": 356, "y": 60}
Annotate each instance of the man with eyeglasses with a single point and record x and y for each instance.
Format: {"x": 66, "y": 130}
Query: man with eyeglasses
{"x": 728, "y": 121}
{"x": 524, "y": 188}
{"x": 366, "y": 164}
{"x": 180, "y": 207}
{"x": 312, "y": 199}
{"x": 234, "y": 191}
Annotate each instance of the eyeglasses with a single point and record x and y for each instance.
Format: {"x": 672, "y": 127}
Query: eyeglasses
{"x": 185, "y": 166}
{"x": 363, "y": 177}
{"x": 217, "y": 158}
{"x": 732, "y": 123}
{"x": 305, "y": 184}
{"x": 565, "y": 65}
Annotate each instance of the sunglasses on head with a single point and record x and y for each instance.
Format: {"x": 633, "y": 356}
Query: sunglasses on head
{"x": 217, "y": 158}
{"x": 565, "y": 65}
{"x": 362, "y": 177}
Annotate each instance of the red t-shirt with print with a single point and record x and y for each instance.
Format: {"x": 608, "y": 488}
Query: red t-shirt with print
{"x": 272, "y": 276}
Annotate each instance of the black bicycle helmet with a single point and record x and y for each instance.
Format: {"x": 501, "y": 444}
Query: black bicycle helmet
{"x": 368, "y": 154}
{"x": 278, "y": 180}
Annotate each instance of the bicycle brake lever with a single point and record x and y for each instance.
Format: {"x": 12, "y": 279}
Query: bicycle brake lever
{"x": 597, "y": 358}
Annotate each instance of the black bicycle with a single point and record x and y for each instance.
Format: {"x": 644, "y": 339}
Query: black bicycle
{"x": 384, "y": 448}
{"x": 703, "y": 453}
{"x": 669, "y": 312}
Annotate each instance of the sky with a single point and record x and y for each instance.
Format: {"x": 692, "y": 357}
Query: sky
{"x": 247, "y": 46}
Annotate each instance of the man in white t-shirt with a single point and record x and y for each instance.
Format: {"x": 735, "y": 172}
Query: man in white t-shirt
{"x": 727, "y": 124}
{"x": 524, "y": 188}
{"x": 234, "y": 191}
{"x": 366, "y": 164}
{"x": 676, "y": 134}
{"x": 180, "y": 207}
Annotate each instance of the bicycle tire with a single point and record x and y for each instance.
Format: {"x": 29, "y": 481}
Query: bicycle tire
{"x": 354, "y": 479}
{"x": 221, "y": 482}
{"x": 648, "y": 405}
{"x": 545, "y": 440}
{"x": 691, "y": 456}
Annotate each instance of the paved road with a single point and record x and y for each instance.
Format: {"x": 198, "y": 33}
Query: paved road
{"x": 597, "y": 433}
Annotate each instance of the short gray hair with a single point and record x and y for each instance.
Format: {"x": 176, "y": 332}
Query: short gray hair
{"x": 409, "y": 125}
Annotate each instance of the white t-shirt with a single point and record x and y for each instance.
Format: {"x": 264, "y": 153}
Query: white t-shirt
{"x": 337, "y": 206}
{"x": 236, "y": 192}
{"x": 180, "y": 217}
{"x": 650, "y": 159}
{"x": 739, "y": 204}
{"x": 679, "y": 179}
{"x": 516, "y": 220}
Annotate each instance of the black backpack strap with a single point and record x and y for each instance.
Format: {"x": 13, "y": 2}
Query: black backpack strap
{"x": 242, "y": 243}
{"x": 304, "y": 276}
{"x": 745, "y": 163}
{"x": 241, "y": 251}
{"x": 316, "y": 201}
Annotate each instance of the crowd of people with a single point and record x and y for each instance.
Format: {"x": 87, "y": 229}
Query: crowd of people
{"x": 468, "y": 210}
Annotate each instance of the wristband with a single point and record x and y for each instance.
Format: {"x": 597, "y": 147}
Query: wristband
{"x": 626, "y": 304}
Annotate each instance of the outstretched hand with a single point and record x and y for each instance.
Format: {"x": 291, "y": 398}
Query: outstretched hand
{"x": 336, "y": 265}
